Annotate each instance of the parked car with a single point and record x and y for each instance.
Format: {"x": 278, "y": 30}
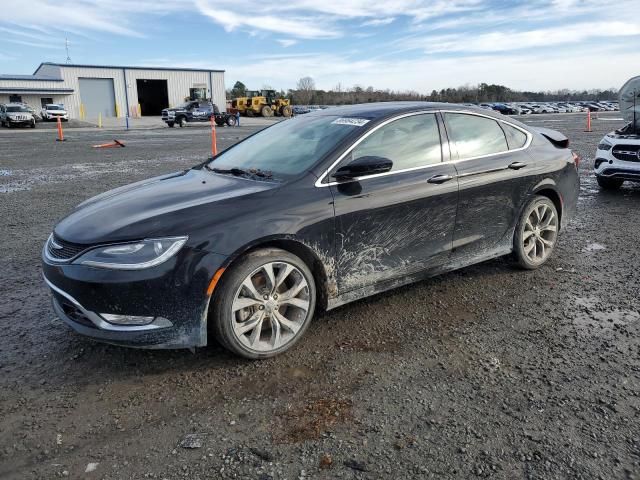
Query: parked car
{"x": 525, "y": 109}
{"x": 36, "y": 115}
{"x": 16, "y": 114}
{"x": 544, "y": 108}
{"x": 504, "y": 109}
{"x": 52, "y": 111}
{"x": 308, "y": 214}
{"x": 197, "y": 111}
{"x": 299, "y": 110}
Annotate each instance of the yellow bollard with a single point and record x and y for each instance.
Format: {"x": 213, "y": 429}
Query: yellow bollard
{"x": 117, "y": 111}
{"x": 82, "y": 111}
{"x": 100, "y": 120}
{"x": 139, "y": 112}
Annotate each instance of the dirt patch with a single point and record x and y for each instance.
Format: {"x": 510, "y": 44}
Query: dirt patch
{"x": 309, "y": 421}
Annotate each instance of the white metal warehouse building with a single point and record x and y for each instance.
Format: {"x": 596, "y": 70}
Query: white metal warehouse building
{"x": 88, "y": 91}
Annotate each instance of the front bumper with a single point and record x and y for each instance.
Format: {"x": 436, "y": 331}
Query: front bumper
{"x": 173, "y": 293}
{"x": 607, "y": 166}
{"x": 19, "y": 122}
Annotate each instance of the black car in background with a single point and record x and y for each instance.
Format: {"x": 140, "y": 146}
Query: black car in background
{"x": 504, "y": 109}
{"x": 197, "y": 111}
{"x": 307, "y": 215}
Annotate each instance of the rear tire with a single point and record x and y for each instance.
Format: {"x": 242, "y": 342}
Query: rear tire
{"x": 231, "y": 121}
{"x": 537, "y": 233}
{"x": 609, "y": 183}
{"x": 273, "y": 318}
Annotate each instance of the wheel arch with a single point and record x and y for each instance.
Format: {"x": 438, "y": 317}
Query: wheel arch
{"x": 320, "y": 266}
{"x": 547, "y": 188}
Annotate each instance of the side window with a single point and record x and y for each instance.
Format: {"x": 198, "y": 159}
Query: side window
{"x": 408, "y": 142}
{"x": 515, "y": 138}
{"x": 474, "y": 136}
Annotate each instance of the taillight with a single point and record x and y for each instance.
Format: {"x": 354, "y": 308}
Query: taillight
{"x": 576, "y": 158}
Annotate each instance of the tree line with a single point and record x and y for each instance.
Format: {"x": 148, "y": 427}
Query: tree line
{"x": 306, "y": 93}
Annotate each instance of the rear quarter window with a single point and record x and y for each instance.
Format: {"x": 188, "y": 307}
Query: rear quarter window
{"x": 515, "y": 138}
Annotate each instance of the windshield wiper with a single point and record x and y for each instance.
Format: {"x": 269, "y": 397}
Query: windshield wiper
{"x": 240, "y": 171}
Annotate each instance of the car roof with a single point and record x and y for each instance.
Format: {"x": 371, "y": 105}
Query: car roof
{"x": 375, "y": 111}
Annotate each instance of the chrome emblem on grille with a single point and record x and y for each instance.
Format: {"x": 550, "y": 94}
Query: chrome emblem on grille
{"x": 55, "y": 245}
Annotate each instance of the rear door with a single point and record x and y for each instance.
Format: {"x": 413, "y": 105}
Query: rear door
{"x": 202, "y": 111}
{"x": 494, "y": 176}
{"x": 393, "y": 224}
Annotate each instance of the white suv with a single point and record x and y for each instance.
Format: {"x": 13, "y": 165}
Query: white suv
{"x": 15, "y": 114}
{"x": 53, "y": 111}
{"x": 618, "y": 158}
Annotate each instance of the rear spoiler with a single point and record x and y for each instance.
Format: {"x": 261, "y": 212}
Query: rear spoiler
{"x": 556, "y": 138}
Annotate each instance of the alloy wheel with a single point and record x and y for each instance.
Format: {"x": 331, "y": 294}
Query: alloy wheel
{"x": 270, "y": 307}
{"x": 540, "y": 233}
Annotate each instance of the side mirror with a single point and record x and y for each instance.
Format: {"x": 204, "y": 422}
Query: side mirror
{"x": 361, "y": 166}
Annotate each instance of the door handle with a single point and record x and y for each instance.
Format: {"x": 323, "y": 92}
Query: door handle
{"x": 517, "y": 165}
{"x": 440, "y": 179}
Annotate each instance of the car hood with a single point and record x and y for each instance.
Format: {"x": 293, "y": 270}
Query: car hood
{"x": 155, "y": 207}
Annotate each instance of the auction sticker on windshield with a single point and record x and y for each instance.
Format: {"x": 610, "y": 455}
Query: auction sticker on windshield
{"x": 356, "y": 122}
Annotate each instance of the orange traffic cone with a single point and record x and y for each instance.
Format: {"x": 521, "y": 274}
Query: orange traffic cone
{"x": 214, "y": 143}
{"x": 60, "y": 132}
{"x": 588, "y": 120}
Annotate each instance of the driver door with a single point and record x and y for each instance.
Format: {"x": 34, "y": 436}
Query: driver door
{"x": 393, "y": 224}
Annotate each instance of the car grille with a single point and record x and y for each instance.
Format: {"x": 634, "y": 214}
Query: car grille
{"x": 67, "y": 250}
{"x": 627, "y": 153}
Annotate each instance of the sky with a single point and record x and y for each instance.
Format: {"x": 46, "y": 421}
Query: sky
{"x": 390, "y": 44}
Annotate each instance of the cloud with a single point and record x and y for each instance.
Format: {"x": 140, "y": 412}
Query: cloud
{"x": 376, "y": 22}
{"x": 47, "y": 46}
{"x": 595, "y": 68}
{"x": 286, "y": 42}
{"x": 510, "y": 40}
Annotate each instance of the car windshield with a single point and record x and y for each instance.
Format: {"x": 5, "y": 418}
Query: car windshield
{"x": 53, "y": 107}
{"x": 17, "y": 109}
{"x": 288, "y": 148}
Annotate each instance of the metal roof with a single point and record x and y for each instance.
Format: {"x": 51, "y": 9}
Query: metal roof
{"x": 35, "y": 90}
{"x": 35, "y": 78}
{"x": 126, "y": 67}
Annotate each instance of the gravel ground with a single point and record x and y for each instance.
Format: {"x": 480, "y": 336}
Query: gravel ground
{"x": 486, "y": 372}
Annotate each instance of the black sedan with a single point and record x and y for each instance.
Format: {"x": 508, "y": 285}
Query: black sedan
{"x": 307, "y": 215}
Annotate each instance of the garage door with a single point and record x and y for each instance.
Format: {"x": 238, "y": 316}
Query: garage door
{"x": 97, "y": 96}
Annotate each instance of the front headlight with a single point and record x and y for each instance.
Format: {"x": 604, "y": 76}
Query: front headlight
{"x": 604, "y": 146}
{"x": 133, "y": 256}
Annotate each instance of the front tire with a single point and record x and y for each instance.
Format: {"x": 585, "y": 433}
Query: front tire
{"x": 537, "y": 233}
{"x": 264, "y": 304}
{"x": 33, "y": 124}
{"x": 231, "y": 121}
{"x": 182, "y": 122}
{"x": 609, "y": 183}
{"x": 170, "y": 124}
